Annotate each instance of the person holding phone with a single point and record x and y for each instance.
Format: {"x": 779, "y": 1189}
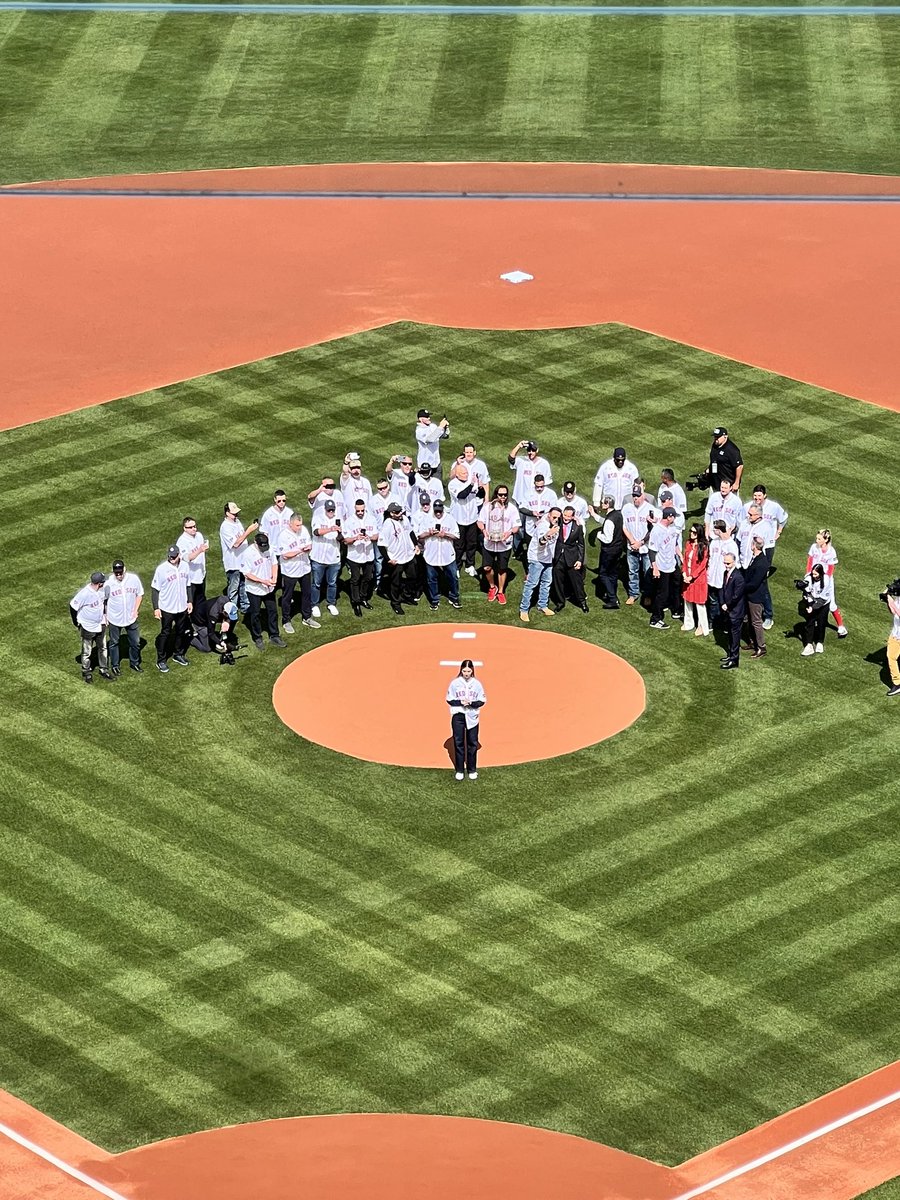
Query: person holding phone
{"x": 466, "y": 698}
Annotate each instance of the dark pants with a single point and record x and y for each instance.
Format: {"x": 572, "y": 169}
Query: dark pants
{"x": 563, "y": 575}
{"x": 814, "y": 625}
{"x": 715, "y": 604}
{"x": 172, "y": 625}
{"x": 755, "y": 632}
{"x": 134, "y": 643}
{"x": 608, "y": 573}
{"x": 256, "y": 603}
{"x": 735, "y": 625}
{"x": 403, "y": 581}
{"x": 465, "y": 744}
{"x": 362, "y": 581}
{"x": 289, "y": 583}
{"x": 767, "y": 611}
{"x": 198, "y": 600}
{"x": 663, "y": 591}
{"x": 467, "y": 545}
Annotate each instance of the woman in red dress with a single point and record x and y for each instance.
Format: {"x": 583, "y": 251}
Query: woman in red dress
{"x": 693, "y": 567}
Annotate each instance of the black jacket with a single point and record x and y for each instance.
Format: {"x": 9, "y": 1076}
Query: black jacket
{"x": 732, "y": 594}
{"x": 755, "y": 576}
{"x": 568, "y": 553}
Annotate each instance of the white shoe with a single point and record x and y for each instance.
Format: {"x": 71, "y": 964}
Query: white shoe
{"x": 843, "y": 631}
{"x": 820, "y": 649}
{"x": 473, "y": 774}
{"x": 808, "y": 650}
{"x": 333, "y": 609}
{"x": 311, "y": 624}
{"x": 316, "y": 612}
{"x": 288, "y": 627}
{"x": 471, "y": 571}
{"x": 460, "y": 775}
{"x": 768, "y": 623}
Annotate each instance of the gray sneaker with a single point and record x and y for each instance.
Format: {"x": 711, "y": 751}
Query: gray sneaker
{"x": 259, "y": 643}
{"x": 288, "y": 627}
{"x": 311, "y": 624}
{"x": 277, "y": 641}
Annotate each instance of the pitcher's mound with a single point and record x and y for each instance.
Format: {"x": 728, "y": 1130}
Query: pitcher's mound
{"x": 381, "y": 696}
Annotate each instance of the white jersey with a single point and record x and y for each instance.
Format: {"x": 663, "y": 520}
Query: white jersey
{"x": 614, "y": 481}
{"x": 326, "y": 547}
{"x": 432, "y": 488}
{"x": 232, "y": 556}
{"x": 464, "y": 509}
{"x": 471, "y": 692}
{"x": 317, "y": 505}
{"x": 535, "y": 506}
{"x": 428, "y": 443}
{"x": 362, "y": 551}
{"x": 376, "y": 507}
{"x": 718, "y": 548}
{"x": 747, "y": 531}
{"x": 579, "y": 504}
{"x": 637, "y": 520}
{"x": 396, "y": 541}
{"x": 171, "y": 582}
{"x": 274, "y": 520}
{"x": 724, "y": 508}
{"x": 543, "y": 542}
{"x": 894, "y": 606}
{"x": 771, "y": 510}
{"x": 820, "y": 591}
{"x": 438, "y": 551}
{"x": 665, "y": 540}
{"x": 121, "y": 597}
{"x": 499, "y": 521}
{"x": 355, "y": 489}
{"x": 478, "y": 467}
{"x": 298, "y": 565}
{"x": 678, "y": 501}
{"x": 401, "y": 483}
{"x": 826, "y": 555}
{"x": 187, "y": 544}
{"x": 259, "y": 563}
{"x": 525, "y": 471}
{"x": 88, "y": 603}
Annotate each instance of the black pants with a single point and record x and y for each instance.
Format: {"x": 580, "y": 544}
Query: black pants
{"x": 814, "y": 626}
{"x": 198, "y": 599}
{"x": 575, "y": 579}
{"x": 467, "y": 545}
{"x": 289, "y": 583}
{"x": 465, "y": 743}
{"x": 402, "y": 580}
{"x": 608, "y": 573}
{"x": 735, "y": 626}
{"x": 256, "y": 602}
{"x": 362, "y": 580}
{"x": 662, "y": 595}
{"x": 134, "y": 643}
{"x": 172, "y": 624}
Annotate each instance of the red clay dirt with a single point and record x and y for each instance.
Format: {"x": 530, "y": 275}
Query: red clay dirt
{"x": 109, "y": 296}
{"x": 587, "y": 694}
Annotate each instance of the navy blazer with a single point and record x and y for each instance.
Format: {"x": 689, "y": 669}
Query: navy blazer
{"x": 732, "y": 593}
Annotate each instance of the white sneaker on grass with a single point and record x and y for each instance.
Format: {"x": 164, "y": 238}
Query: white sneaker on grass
{"x": 316, "y": 612}
{"x": 460, "y": 775}
{"x": 473, "y": 774}
{"x": 311, "y": 624}
{"x": 334, "y": 610}
{"x": 288, "y": 627}
{"x": 820, "y": 649}
{"x": 843, "y": 631}
{"x": 807, "y": 650}
{"x": 471, "y": 571}
{"x": 768, "y": 623}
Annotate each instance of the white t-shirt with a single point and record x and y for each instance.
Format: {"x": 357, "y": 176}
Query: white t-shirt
{"x": 88, "y": 603}
{"x": 536, "y": 505}
{"x": 326, "y": 547}
{"x": 395, "y": 539}
{"x": 538, "y": 552}
{"x": 437, "y": 551}
{"x": 614, "y": 481}
{"x": 187, "y": 544}
{"x": 718, "y": 548}
{"x": 121, "y": 597}
{"x": 229, "y": 532}
{"x": 480, "y": 468}
{"x": 525, "y": 471}
{"x": 894, "y": 606}
{"x": 298, "y": 566}
{"x": 172, "y": 583}
{"x": 355, "y": 488}
{"x": 636, "y": 519}
{"x": 724, "y": 508}
{"x": 579, "y": 504}
{"x": 376, "y": 507}
{"x": 274, "y": 520}
{"x": 499, "y": 521}
{"x": 666, "y": 541}
{"x": 469, "y": 690}
{"x": 433, "y": 488}
{"x": 428, "y": 439}
{"x": 259, "y": 563}
{"x": 362, "y": 551}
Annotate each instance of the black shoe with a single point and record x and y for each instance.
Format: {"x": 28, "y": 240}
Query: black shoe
{"x": 259, "y": 643}
{"x": 366, "y": 604}
{"x": 557, "y": 608}
{"x": 277, "y": 641}
{"x": 584, "y": 607}
{"x": 137, "y": 667}
{"x": 357, "y": 611}
{"x": 181, "y": 660}
{"x": 434, "y": 607}
{"x": 454, "y": 604}
{"x": 107, "y": 675}
{"x": 87, "y": 677}
{"x": 611, "y": 604}
{"x": 162, "y": 667}
{"x": 413, "y": 601}
{"x": 115, "y": 671}
{"x": 758, "y": 654}
{"x": 730, "y": 664}
{"x": 895, "y": 690}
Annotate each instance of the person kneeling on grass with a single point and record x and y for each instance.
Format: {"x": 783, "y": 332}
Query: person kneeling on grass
{"x": 466, "y": 698}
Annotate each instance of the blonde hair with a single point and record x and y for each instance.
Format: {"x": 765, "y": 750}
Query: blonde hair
{"x": 826, "y": 534}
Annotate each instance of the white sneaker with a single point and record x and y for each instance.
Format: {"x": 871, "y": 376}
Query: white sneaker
{"x": 288, "y": 627}
{"x": 471, "y": 571}
{"x": 820, "y": 649}
{"x": 316, "y": 612}
{"x": 311, "y": 624}
{"x": 333, "y": 609}
{"x": 808, "y": 650}
{"x": 768, "y": 623}
{"x": 473, "y": 774}
{"x": 843, "y": 631}
{"x": 460, "y": 775}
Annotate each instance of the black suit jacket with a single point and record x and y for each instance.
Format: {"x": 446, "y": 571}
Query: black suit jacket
{"x": 568, "y": 553}
{"x": 732, "y": 594}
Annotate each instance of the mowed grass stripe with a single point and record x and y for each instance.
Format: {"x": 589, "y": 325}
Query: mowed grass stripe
{"x": 546, "y": 77}
{"x": 699, "y": 78}
{"x": 839, "y": 55}
{"x": 400, "y": 75}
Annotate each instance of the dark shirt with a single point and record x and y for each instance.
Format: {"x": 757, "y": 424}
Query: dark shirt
{"x": 724, "y": 462}
{"x": 755, "y": 575}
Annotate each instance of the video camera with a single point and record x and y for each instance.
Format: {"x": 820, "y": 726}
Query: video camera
{"x": 892, "y": 589}
{"x": 801, "y": 584}
{"x": 699, "y": 480}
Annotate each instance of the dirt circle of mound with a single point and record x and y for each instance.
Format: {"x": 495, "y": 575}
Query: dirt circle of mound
{"x": 546, "y": 694}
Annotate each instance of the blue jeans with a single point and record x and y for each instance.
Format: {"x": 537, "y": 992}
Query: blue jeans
{"x": 540, "y": 576}
{"x": 768, "y": 613}
{"x": 638, "y": 573}
{"x": 134, "y": 643}
{"x": 236, "y": 589}
{"x": 330, "y": 572}
{"x": 431, "y": 581}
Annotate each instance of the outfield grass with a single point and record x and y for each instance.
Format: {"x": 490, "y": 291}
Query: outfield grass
{"x": 657, "y": 943}
{"x": 84, "y": 94}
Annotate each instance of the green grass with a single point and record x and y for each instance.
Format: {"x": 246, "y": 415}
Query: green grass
{"x": 657, "y": 943}
{"x": 84, "y": 94}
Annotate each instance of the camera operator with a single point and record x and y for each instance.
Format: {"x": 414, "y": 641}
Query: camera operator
{"x": 725, "y": 460}
{"x": 891, "y": 597}
{"x": 818, "y": 592}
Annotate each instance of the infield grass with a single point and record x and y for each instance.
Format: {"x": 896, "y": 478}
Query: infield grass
{"x": 657, "y": 943}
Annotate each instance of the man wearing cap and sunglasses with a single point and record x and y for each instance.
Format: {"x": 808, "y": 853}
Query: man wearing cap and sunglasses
{"x": 325, "y": 555}
{"x": 725, "y": 461}
{"x": 428, "y": 440}
{"x": 88, "y": 609}
{"x": 438, "y": 532}
{"x": 400, "y": 551}
{"x": 578, "y": 503}
{"x": 233, "y": 538}
{"x": 615, "y": 477}
{"x": 171, "y": 590}
{"x": 123, "y": 593}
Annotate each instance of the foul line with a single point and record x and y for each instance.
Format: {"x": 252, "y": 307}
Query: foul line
{"x": 74, "y": 1172}
{"x": 458, "y": 10}
{"x": 786, "y": 1149}
{"x": 12, "y": 190}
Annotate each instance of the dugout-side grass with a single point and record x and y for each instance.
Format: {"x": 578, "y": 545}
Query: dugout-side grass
{"x": 657, "y": 943}
{"x": 94, "y": 93}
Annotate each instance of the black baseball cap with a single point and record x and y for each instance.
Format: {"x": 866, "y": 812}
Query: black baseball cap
{"x": 174, "y": 552}
{"x": 98, "y": 577}
{"x": 393, "y": 510}
{"x": 329, "y": 506}
{"x": 118, "y": 565}
{"x": 619, "y": 452}
{"x": 569, "y": 485}
{"x": 424, "y": 498}
{"x": 669, "y": 512}
{"x": 719, "y": 431}
{"x": 423, "y": 412}
{"x": 438, "y": 506}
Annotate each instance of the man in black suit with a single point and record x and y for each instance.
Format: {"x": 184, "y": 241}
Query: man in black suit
{"x": 568, "y": 561}
{"x": 734, "y": 607}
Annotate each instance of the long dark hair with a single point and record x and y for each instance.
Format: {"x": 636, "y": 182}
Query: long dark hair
{"x": 702, "y": 542}
{"x": 466, "y": 662}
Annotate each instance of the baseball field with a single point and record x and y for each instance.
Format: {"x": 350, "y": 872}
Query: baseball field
{"x": 659, "y": 942}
